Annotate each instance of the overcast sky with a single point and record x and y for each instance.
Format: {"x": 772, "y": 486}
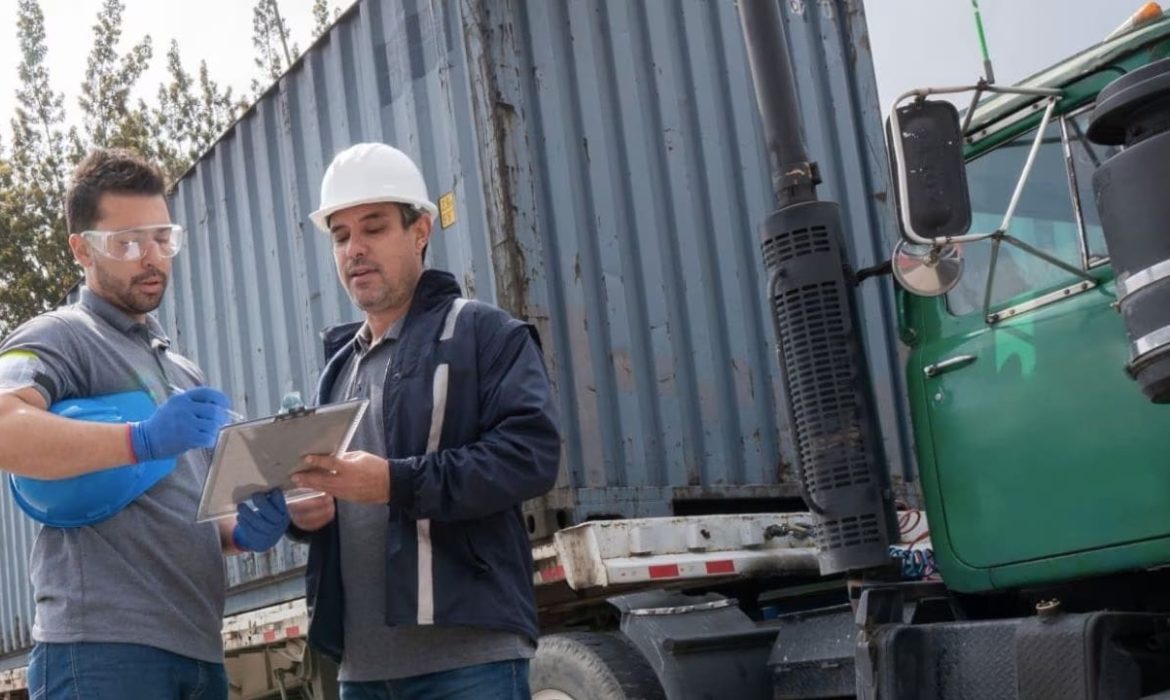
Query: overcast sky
{"x": 915, "y": 42}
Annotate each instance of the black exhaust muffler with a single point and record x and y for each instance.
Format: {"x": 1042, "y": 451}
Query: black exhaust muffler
{"x": 842, "y": 471}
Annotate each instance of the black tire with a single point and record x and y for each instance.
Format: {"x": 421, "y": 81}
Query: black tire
{"x": 593, "y": 666}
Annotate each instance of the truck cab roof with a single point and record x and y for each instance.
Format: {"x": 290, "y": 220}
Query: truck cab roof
{"x": 999, "y": 112}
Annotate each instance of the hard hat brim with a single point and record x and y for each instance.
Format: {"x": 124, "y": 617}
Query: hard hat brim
{"x": 320, "y": 218}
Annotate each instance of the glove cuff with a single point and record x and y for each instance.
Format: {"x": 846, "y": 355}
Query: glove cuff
{"x": 139, "y": 442}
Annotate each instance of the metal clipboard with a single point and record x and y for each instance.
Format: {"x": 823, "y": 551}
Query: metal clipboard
{"x": 262, "y": 454}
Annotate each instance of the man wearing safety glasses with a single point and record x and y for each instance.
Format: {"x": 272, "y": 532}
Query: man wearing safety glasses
{"x": 129, "y": 589}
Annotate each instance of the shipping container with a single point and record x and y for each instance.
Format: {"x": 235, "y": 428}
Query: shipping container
{"x": 601, "y": 173}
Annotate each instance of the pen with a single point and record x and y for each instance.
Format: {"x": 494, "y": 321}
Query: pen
{"x": 235, "y": 416}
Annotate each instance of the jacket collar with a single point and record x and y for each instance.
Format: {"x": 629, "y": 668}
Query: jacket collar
{"x": 434, "y": 288}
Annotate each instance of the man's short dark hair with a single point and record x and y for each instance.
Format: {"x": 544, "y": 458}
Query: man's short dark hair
{"x": 411, "y": 214}
{"x": 108, "y": 170}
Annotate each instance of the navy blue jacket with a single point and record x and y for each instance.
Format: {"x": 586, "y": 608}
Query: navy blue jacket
{"x": 493, "y": 444}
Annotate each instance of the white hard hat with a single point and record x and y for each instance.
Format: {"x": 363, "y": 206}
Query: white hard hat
{"x": 370, "y": 172}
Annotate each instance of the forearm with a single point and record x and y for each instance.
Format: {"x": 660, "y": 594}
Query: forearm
{"x": 36, "y": 443}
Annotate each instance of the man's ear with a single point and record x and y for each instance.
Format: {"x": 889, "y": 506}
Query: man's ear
{"x": 422, "y": 232}
{"x": 81, "y": 250}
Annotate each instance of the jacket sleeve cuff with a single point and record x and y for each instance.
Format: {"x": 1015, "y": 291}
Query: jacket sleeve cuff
{"x": 402, "y": 483}
{"x": 297, "y": 534}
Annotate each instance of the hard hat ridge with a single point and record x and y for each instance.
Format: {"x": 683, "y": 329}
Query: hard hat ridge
{"x": 366, "y": 173}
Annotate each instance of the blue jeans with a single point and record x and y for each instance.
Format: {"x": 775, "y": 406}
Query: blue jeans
{"x": 102, "y": 671}
{"x": 502, "y": 680}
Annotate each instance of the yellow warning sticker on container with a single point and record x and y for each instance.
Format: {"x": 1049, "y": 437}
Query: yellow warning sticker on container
{"x": 447, "y": 210}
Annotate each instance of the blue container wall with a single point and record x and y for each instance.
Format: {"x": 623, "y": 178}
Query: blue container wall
{"x": 631, "y": 182}
{"x": 608, "y": 172}
{"x": 606, "y": 164}
{"x": 16, "y": 600}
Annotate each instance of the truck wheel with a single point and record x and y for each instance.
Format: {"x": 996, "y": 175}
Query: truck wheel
{"x": 591, "y": 666}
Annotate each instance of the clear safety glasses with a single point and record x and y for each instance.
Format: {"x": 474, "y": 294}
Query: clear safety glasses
{"x": 132, "y": 243}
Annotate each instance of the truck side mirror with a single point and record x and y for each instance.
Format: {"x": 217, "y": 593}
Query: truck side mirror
{"x": 929, "y": 174}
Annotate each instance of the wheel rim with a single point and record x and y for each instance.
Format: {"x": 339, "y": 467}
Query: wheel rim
{"x": 550, "y": 694}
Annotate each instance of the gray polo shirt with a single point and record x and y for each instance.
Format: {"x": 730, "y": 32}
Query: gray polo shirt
{"x": 373, "y": 650}
{"x": 150, "y": 574}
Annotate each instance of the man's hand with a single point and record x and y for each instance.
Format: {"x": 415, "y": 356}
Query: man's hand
{"x": 186, "y": 421}
{"x": 314, "y": 513}
{"x": 359, "y": 477}
{"x": 259, "y": 529}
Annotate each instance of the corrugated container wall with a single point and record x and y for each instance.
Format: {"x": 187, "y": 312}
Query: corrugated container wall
{"x": 16, "y": 599}
{"x": 606, "y": 167}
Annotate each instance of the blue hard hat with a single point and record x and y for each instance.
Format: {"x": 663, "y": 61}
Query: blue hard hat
{"x": 91, "y": 498}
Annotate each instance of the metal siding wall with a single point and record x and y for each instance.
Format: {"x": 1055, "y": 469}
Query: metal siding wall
{"x": 632, "y": 141}
{"x": 16, "y": 601}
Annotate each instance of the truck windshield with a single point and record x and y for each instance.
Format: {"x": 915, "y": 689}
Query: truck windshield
{"x": 1047, "y": 216}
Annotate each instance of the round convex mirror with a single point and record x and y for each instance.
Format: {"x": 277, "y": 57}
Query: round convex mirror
{"x": 927, "y": 271}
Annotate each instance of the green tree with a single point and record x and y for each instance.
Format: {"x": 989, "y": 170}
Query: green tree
{"x": 270, "y": 37}
{"x": 173, "y": 109}
{"x": 321, "y": 18}
{"x": 189, "y": 116}
{"x": 17, "y": 297}
{"x": 38, "y": 266}
{"x": 109, "y": 116}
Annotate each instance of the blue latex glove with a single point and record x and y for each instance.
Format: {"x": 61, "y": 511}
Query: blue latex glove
{"x": 258, "y": 529}
{"x": 187, "y": 420}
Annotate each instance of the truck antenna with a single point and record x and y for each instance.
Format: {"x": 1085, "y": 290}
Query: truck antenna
{"x": 988, "y": 73}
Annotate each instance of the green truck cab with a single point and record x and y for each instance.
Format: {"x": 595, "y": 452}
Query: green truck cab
{"x": 1037, "y": 377}
{"x": 1040, "y": 460}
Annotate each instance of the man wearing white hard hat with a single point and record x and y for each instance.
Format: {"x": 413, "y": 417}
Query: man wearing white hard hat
{"x": 420, "y": 572}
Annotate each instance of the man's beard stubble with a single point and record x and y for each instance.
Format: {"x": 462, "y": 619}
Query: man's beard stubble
{"x": 128, "y": 296}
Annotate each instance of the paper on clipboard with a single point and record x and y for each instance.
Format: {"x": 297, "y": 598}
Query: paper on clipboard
{"x": 262, "y": 454}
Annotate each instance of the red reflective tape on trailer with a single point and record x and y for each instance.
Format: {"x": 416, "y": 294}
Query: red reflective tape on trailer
{"x": 725, "y": 566}
{"x": 270, "y": 636}
{"x": 294, "y": 631}
{"x": 556, "y": 573}
{"x": 664, "y": 571}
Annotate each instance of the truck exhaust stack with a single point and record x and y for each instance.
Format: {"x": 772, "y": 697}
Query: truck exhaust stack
{"x": 839, "y": 462}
